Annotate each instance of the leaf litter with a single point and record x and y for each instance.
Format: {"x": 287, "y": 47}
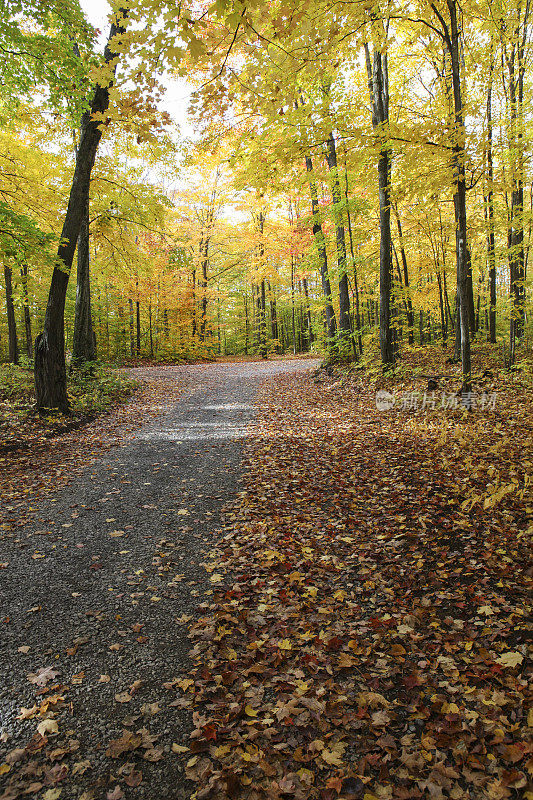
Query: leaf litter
{"x": 368, "y": 627}
{"x": 365, "y": 634}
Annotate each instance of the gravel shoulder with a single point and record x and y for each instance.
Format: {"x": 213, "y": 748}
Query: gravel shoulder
{"x": 98, "y": 588}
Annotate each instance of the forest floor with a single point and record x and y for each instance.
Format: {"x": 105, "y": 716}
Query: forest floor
{"x": 100, "y": 579}
{"x": 359, "y": 628}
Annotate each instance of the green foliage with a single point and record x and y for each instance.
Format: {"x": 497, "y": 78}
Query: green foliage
{"x": 37, "y": 45}
{"x": 96, "y": 388}
{"x": 91, "y": 390}
{"x": 16, "y": 383}
{"x": 21, "y": 239}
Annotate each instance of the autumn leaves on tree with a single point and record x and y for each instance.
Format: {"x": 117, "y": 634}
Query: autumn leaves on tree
{"x": 359, "y": 178}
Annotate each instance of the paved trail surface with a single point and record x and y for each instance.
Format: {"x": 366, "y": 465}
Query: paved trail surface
{"x": 102, "y": 581}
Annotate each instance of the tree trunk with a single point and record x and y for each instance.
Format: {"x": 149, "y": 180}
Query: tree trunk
{"x": 84, "y": 339}
{"x": 517, "y": 258}
{"x": 318, "y": 233}
{"x": 444, "y": 327}
{"x": 378, "y": 80}
{"x": 194, "y": 323}
{"x": 261, "y": 292}
{"x": 309, "y": 326}
{"x": 11, "y": 321}
{"x": 409, "y": 304}
{"x": 263, "y": 324}
{"x": 451, "y": 38}
{"x": 246, "y": 325}
{"x": 274, "y": 318}
{"x": 204, "y": 261}
{"x": 122, "y": 331}
{"x": 459, "y": 202}
{"x": 50, "y": 370}
{"x": 491, "y": 246}
{"x": 345, "y": 328}
{"x": 293, "y": 309}
{"x": 357, "y": 345}
{"x": 132, "y": 329}
{"x": 26, "y": 310}
{"x": 138, "y": 326}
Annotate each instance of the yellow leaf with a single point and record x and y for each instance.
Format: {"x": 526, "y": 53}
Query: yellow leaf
{"x": 47, "y": 726}
{"x": 251, "y": 712}
{"x": 27, "y": 713}
{"x": 331, "y": 758}
{"x": 216, "y": 578}
{"x": 179, "y": 748}
{"x": 510, "y": 659}
{"x": 52, "y": 794}
{"x": 450, "y": 708}
{"x": 4, "y": 769}
{"x": 285, "y": 644}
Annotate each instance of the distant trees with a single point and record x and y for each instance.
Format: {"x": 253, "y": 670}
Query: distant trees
{"x": 353, "y": 208}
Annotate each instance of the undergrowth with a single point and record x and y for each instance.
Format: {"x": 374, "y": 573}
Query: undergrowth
{"x": 92, "y": 391}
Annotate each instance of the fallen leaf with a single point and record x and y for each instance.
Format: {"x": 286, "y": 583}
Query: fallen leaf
{"x": 510, "y": 659}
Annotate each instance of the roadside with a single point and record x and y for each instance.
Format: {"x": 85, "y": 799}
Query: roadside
{"x": 367, "y": 636}
{"x": 41, "y": 454}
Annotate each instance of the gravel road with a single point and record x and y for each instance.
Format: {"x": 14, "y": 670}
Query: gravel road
{"x": 100, "y": 587}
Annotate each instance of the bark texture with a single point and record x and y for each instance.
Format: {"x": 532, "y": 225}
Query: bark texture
{"x": 84, "y": 339}
{"x": 378, "y": 81}
{"x": 345, "y": 328}
{"x": 11, "y": 321}
{"x": 50, "y": 369}
{"x": 318, "y": 233}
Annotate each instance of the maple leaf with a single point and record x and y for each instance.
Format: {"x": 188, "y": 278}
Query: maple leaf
{"x": 47, "y": 726}
{"x": 42, "y": 676}
{"x": 127, "y": 742}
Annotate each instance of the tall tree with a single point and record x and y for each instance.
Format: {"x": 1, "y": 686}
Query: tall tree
{"x": 11, "y": 320}
{"x": 345, "y": 327}
{"x": 449, "y": 32}
{"x": 320, "y": 240}
{"x": 489, "y": 208}
{"x": 378, "y": 83}
{"x": 50, "y": 370}
{"x": 83, "y": 339}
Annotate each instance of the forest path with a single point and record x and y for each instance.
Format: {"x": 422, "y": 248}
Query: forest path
{"x": 99, "y": 587}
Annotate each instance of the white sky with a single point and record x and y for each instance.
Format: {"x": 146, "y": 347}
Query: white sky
{"x": 178, "y": 92}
